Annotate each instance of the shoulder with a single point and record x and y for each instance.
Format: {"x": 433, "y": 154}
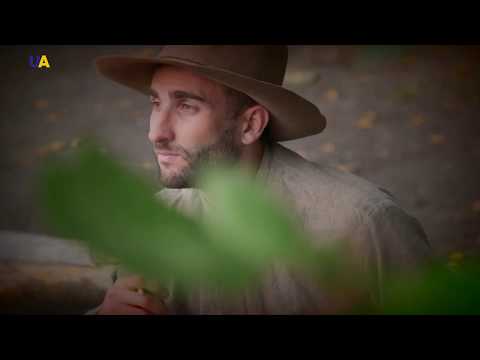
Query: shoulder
{"x": 324, "y": 187}
{"x": 345, "y": 205}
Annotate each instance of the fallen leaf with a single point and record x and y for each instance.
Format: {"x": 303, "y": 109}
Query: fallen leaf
{"x": 41, "y": 152}
{"x": 53, "y": 116}
{"x": 456, "y": 256}
{"x": 345, "y": 167}
{"x": 74, "y": 143}
{"x": 148, "y": 52}
{"x": 50, "y": 148}
{"x": 455, "y": 259}
{"x": 408, "y": 60}
{"x": 328, "y": 148}
{"x": 300, "y": 77}
{"x": 364, "y": 78}
{"x": 476, "y": 206}
{"x": 417, "y": 120}
{"x": 331, "y": 95}
{"x": 40, "y": 104}
{"x": 366, "y": 120}
{"x": 437, "y": 139}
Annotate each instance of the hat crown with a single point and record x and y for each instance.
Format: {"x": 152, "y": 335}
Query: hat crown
{"x": 265, "y": 63}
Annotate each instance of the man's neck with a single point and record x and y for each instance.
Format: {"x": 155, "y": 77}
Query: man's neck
{"x": 251, "y": 157}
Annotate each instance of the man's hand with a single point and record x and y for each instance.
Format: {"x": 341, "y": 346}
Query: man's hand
{"x": 127, "y": 297}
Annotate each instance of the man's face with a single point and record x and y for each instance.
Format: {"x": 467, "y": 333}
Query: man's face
{"x": 190, "y": 125}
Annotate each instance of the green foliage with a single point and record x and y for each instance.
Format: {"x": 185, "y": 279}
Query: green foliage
{"x": 95, "y": 200}
{"x": 436, "y": 289}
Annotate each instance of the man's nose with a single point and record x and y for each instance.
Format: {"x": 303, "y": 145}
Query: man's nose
{"x": 160, "y": 127}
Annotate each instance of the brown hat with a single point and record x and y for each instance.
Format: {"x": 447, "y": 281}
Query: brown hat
{"x": 255, "y": 70}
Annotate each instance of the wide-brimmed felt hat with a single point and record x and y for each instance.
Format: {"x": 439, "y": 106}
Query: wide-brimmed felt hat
{"x": 255, "y": 70}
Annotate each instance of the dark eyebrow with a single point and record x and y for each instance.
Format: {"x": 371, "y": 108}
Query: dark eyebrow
{"x": 187, "y": 95}
{"x": 180, "y": 94}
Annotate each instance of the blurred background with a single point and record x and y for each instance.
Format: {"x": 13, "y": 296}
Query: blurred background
{"x": 403, "y": 117}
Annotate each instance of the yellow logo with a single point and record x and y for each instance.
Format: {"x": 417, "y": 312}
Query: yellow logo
{"x": 39, "y": 62}
{"x": 44, "y": 62}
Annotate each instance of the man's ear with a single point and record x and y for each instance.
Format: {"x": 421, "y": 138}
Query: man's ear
{"x": 255, "y": 120}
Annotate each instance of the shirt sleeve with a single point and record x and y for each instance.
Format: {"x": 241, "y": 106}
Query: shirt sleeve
{"x": 113, "y": 277}
{"x": 388, "y": 242}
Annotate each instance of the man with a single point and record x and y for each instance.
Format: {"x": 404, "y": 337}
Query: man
{"x": 216, "y": 103}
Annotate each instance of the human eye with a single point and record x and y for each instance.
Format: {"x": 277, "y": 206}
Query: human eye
{"x": 185, "y": 107}
{"x": 155, "y": 101}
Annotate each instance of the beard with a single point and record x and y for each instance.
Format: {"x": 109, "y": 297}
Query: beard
{"x": 224, "y": 151}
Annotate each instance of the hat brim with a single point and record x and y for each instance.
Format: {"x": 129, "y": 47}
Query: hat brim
{"x": 293, "y": 116}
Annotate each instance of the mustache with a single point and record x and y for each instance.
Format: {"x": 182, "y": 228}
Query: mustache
{"x": 177, "y": 149}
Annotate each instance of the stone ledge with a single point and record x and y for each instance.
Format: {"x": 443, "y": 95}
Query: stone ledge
{"x": 46, "y": 275}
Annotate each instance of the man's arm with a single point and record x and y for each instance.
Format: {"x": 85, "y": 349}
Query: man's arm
{"x": 113, "y": 278}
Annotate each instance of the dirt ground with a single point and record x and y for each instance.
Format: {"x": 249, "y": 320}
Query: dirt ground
{"x": 405, "y": 118}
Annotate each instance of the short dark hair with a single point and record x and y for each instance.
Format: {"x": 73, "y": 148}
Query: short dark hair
{"x": 238, "y": 102}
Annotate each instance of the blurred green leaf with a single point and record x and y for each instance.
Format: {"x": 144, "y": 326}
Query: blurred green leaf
{"x": 437, "y": 289}
{"x": 249, "y": 223}
{"x": 93, "y": 199}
